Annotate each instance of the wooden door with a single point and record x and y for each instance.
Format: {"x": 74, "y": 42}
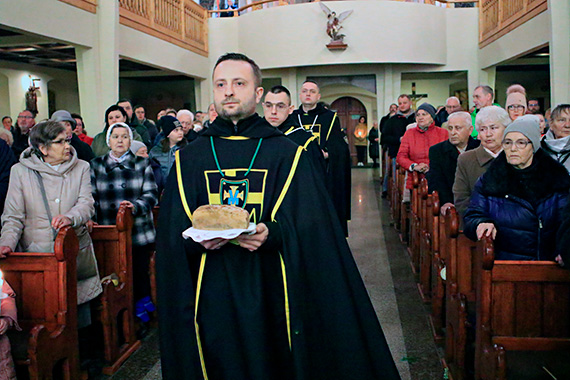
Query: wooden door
{"x": 349, "y": 110}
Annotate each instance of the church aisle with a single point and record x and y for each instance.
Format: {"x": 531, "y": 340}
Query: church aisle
{"x": 385, "y": 267}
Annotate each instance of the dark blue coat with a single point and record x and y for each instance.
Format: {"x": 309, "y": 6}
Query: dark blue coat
{"x": 525, "y": 207}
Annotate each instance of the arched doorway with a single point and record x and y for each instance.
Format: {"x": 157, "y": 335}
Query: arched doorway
{"x": 349, "y": 110}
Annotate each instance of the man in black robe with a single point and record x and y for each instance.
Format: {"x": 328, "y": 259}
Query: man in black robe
{"x": 325, "y": 125}
{"x": 277, "y": 109}
{"x": 284, "y": 303}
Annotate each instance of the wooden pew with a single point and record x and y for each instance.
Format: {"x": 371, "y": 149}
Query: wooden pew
{"x": 404, "y": 223}
{"x": 460, "y": 293}
{"x": 395, "y": 200}
{"x": 438, "y": 253}
{"x": 425, "y": 248}
{"x": 414, "y": 215}
{"x": 46, "y": 297}
{"x": 521, "y": 306}
{"x": 113, "y": 249}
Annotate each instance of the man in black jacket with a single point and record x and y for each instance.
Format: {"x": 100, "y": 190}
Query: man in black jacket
{"x": 393, "y": 131}
{"x": 443, "y": 156}
{"x": 21, "y": 133}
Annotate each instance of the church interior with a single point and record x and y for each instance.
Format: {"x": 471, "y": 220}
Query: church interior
{"x": 84, "y": 55}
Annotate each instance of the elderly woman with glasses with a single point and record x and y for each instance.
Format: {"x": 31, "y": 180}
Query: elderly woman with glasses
{"x": 519, "y": 200}
{"x": 50, "y": 189}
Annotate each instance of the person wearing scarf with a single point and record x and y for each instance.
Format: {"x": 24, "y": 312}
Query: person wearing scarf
{"x": 121, "y": 178}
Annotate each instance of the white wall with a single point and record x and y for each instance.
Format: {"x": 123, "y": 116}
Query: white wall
{"x": 4, "y": 97}
{"x": 437, "y": 89}
{"x": 527, "y": 37}
{"x": 377, "y": 32}
{"x": 152, "y": 51}
{"x": 50, "y": 18}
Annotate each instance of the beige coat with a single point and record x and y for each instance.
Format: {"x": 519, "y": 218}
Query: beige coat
{"x": 25, "y": 223}
{"x": 470, "y": 166}
{"x": 9, "y": 312}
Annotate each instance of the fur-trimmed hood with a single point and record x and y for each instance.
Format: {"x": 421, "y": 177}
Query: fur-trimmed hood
{"x": 548, "y": 177}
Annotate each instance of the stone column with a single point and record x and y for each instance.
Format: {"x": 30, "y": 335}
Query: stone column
{"x": 98, "y": 68}
{"x": 559, "y": 51}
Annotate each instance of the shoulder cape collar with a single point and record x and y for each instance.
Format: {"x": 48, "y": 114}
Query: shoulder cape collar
{"x": 252, "y": 127}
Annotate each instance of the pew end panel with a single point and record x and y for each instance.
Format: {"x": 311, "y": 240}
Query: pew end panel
{"x": 46, "y": 297}
{"x": 113, "y": 249}
{"x": 521, "y": 306}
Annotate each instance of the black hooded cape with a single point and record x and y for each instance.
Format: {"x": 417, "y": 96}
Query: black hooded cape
{"x": 325, "y": 125}
{"x": 294, "y": 309}
{"x": 300, "y": 136}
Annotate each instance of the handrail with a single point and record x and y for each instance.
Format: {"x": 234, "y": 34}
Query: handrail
{"x": 256, "y": 4}
{"x": 86, "y": 5}
{"x": 181, "y": 22}
{"x": 499, "y": 17}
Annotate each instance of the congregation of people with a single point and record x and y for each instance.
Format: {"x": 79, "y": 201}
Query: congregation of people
{"x": 504, "y": 169}
{"x": 54, "y": 175}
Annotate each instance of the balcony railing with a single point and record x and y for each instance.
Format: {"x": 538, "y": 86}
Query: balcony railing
{"x": 87, "y": 5}
{"x": 181, "y": 22}
{"x": 499, "y": 17}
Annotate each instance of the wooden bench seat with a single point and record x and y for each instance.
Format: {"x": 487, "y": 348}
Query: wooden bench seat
{"x": 460, "y": 293}
{"x": 46, "y": 298}
{"x": 521, "y": 306}
{"x": 113, "y": 249}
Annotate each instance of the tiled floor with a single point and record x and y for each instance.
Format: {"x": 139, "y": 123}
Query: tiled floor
{"x": 385, "y": 268}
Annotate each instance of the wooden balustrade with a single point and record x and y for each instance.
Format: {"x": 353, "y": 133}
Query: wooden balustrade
{"x": 181, "y": 22}
{"x": 498, "y": 17}
{"x": 86, "y": 5}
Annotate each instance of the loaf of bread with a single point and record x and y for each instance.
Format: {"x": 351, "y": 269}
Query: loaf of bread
{"x": 220, "y": 217}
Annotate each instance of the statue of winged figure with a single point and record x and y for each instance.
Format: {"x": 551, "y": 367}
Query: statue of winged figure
{"x": 333, "y": 22}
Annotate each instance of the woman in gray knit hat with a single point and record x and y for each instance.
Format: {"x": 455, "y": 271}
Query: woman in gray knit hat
{"x": 519, "y": 200}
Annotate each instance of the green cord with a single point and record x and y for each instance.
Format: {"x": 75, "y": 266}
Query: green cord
{"x": 218, "y": 163}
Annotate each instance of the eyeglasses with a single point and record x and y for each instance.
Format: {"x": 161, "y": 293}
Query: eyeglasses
{"x": 62, "y": 141}
{"x": 280, "y": 106}
{"x": 25, "y": 117}
{"x": 515, "y": 107}
{"x": 520, "y": 144}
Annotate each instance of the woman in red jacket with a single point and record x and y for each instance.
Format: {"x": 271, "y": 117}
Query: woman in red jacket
{"x": 414, "y": 148}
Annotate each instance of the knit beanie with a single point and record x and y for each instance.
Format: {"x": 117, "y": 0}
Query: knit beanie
{"x": 516, "y": 98}
{"x": 168, "y": 123}
{"x": 135, "y": 146}
{"x": 119, "y": 124}
{"x": 528, "y": 125}
{"x": 428, "y": 108}
{"x": 63, "y": 115}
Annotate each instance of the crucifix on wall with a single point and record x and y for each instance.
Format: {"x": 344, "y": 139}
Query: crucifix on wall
{"x": 415, "y": 97}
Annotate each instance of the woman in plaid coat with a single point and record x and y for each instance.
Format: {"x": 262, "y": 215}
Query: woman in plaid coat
{"x": 119, "y": 177}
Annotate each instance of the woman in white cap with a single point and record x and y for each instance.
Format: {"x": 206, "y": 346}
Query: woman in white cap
{"x": 519, "y": 200}
{"x": 121, "y": 178}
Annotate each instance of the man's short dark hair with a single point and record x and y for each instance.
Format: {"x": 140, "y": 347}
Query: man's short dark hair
{"x": 278, "y": 89}
{"x": 313, "y": 82}
{"x": 242, "y": 57}
{"x": 487, "y": 90}
{"x": 556, "y": 112}
{"x": 533, "y": 99}
{"x": 138, "y": 106}
{"x": 405, "y": 96}
{"x": 124, "y": 100}
{"x": 33, "y": 113}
